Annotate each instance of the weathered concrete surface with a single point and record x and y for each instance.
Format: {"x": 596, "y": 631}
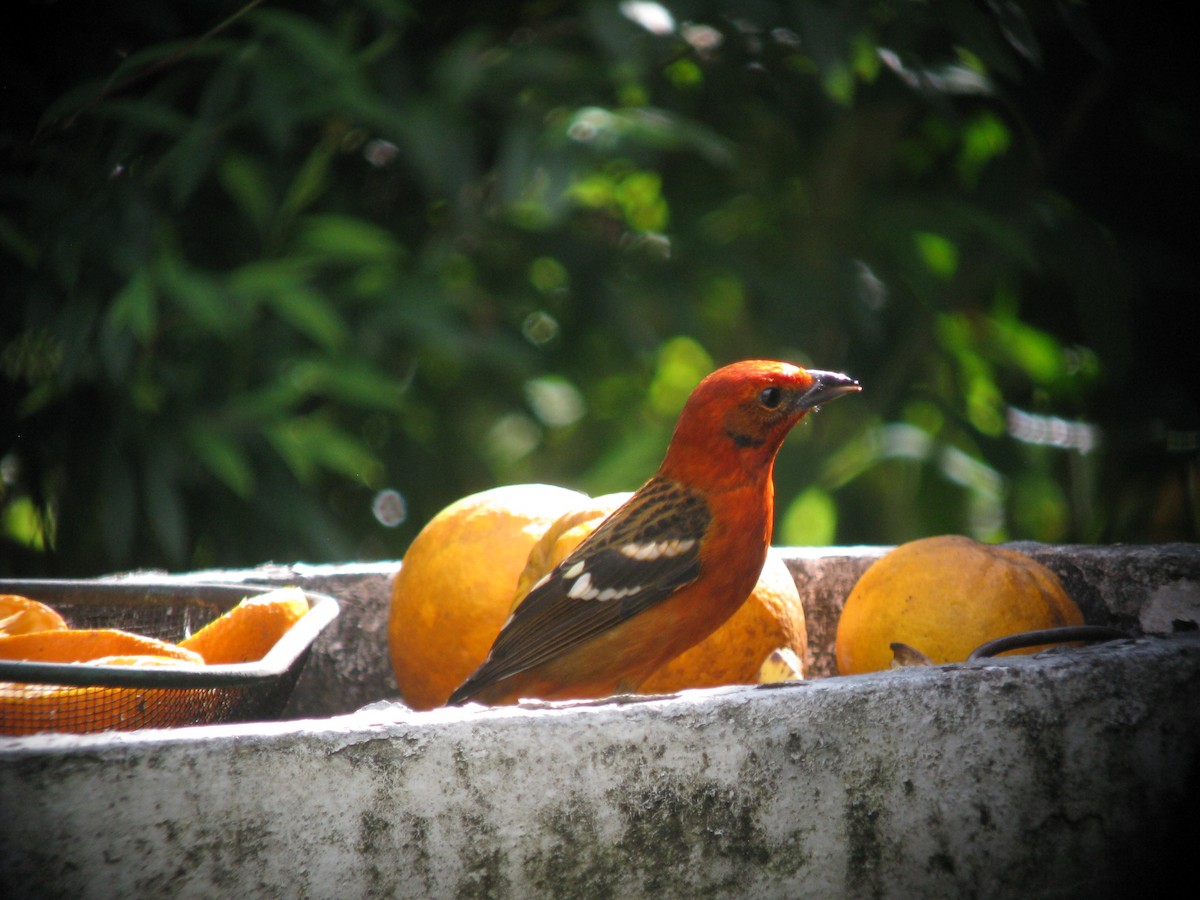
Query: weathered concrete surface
{"x": 1073, "y": 773}
{"x": 1067, "y": 775}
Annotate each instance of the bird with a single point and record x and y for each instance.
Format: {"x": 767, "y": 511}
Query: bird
{"x": 673, "y": 562}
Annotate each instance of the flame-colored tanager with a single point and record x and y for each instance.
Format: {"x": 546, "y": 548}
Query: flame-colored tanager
{"x": 669, "y": 566}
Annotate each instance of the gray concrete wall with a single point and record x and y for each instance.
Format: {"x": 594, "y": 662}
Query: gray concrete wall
{"x": 1069, "y": 774}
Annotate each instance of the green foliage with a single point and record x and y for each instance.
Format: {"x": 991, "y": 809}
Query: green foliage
{"x": 335, "y": 249}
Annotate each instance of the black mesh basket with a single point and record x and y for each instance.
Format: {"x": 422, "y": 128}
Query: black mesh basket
{"x": 74, "y": 697}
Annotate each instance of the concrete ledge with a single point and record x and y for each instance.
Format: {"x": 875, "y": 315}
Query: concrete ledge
{"x": 1072, "y": 773}
{"x": 1066, "y": 775}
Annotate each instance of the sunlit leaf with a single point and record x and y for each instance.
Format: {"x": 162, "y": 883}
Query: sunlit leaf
{"x": 684, "y": 73}
{"x": 939, "y": 253}
{"x": 682, "y": 362}
{"x": 810, "y": 520}
{"x": 1035, "y": 352}
{"x": 22, "y": 522}
{"x": 547, "y": 274}
{"x": 984, "y": 138}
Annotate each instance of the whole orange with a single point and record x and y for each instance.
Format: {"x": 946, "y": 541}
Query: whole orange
{"x": 455, "y": 585}
{"x": 564, "y": 535}
{"x": 944, "y": 596}
{"x": 772, "y": 618}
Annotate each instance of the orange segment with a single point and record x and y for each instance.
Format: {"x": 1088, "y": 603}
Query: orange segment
{"x": 20, "y": 615}
{"x": 248, "y": 631}
{"x": 69, "y": 646}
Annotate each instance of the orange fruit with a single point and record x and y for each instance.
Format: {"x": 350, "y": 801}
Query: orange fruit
{"x": 772, "y": 618}
{"x": 455, "y": 585}
{"x": 83, "y": 645}
{"x": 247, "y": 632}
{"x": 944, "y": 596}
{"x": 20, "y": 615}
{"x": 564, "y": 535}
{"x": 139, "y": 660}
{"x": 32, "y": 708}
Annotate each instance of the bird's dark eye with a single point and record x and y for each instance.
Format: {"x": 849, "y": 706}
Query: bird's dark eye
{"x": 770, "y": 397}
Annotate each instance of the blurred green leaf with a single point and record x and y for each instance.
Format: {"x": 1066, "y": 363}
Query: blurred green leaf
{"x": 25, "y": 524}
{"x": 247, "y": 185}
{"x": 283, "y": 285}
{"x": 17, "y": 243}
{"x": 810, "y": 520}
{"x": 984, "y": 138}
{"x": 338, "y": 246}
{"x": 135, "y": 307}
{"x": 224, "y": 458}
{"x": 118, "y": 506}
{"x": 199, "y": 295}
{"x": 151, "y": 115}
{"x": 939, "y": 253}
{"x": 164, "y": 503}
{"x": 315, "y": 49}
{"x": 346, "y": 381}
{"x": 309, "y": 313}
{"x": 308, "y": 443}
{"x": 345, "y": 239}
{"x": 310, "y": 181}
{"x": 681, "y": 364}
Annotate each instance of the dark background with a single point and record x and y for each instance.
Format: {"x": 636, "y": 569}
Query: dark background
{"x": 255, "y": 284}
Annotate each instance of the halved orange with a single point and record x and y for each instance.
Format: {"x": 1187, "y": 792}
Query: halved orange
{"x": 21, "y": 615}
{"x": 248, "y": 631}
{"x": 85, "y": 644}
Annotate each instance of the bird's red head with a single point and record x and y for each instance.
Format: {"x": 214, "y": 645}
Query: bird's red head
{"x": 736, "y": 418}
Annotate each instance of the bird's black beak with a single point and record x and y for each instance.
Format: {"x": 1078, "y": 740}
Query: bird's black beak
{"x": 826, "y": 386}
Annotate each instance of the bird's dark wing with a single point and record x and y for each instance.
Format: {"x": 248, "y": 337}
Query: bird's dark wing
{"x": 640, "y": 555}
